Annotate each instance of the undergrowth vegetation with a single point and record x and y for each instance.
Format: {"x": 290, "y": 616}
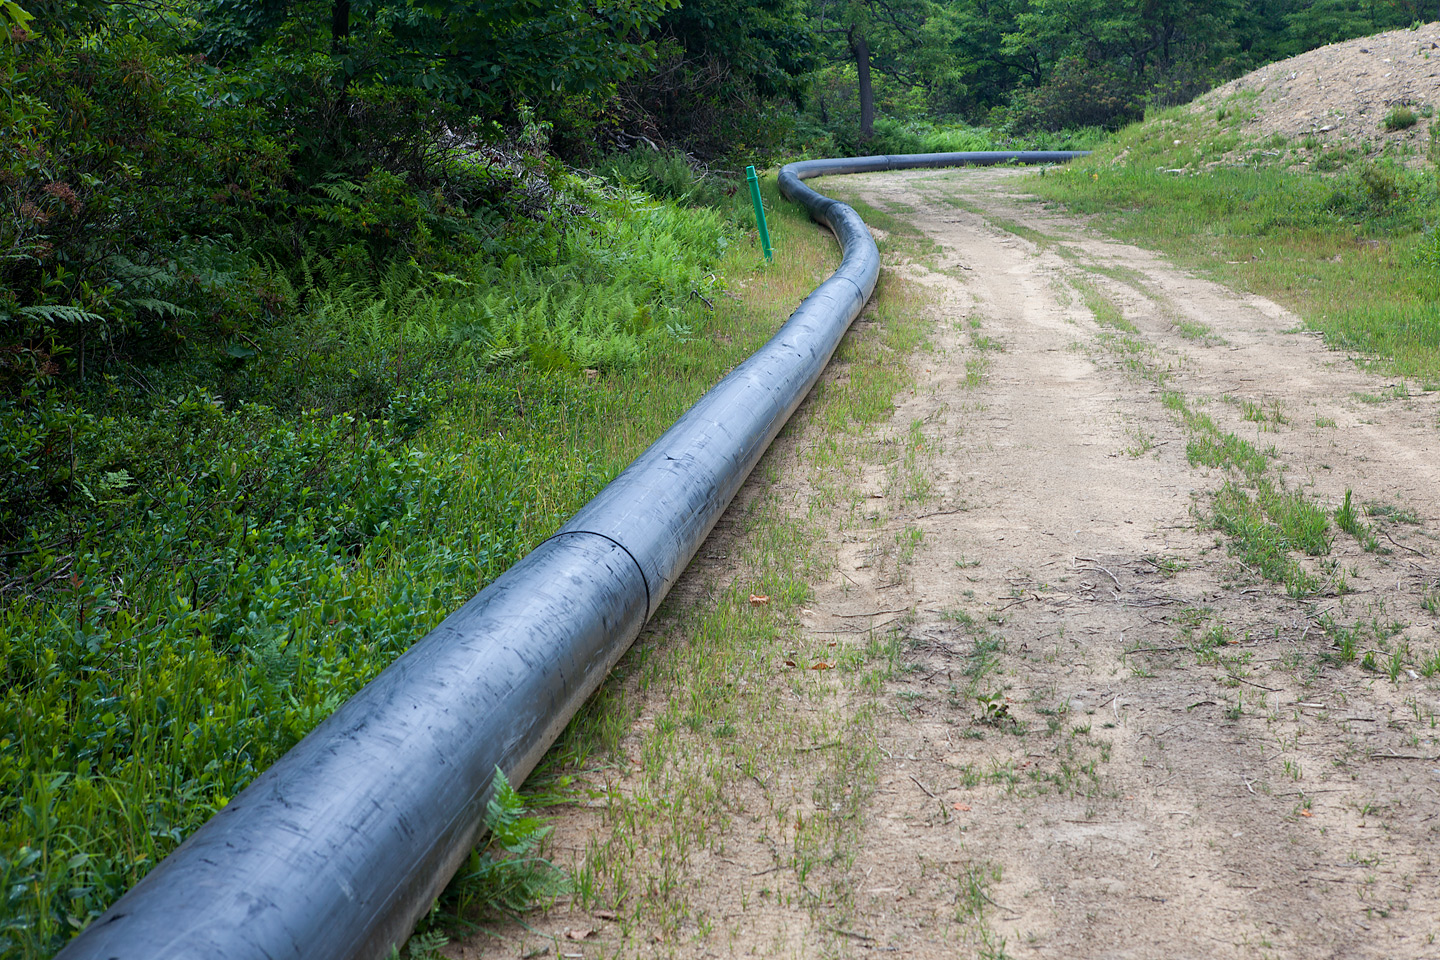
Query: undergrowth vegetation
{"x": 203, "y": 557}
{"x": 923, "y": 136}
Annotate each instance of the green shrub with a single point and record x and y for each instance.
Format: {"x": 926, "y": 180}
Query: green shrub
{"x": 1079, "y": 94}
{"x": 113, "y": 150}
{"x": 668, "y": 175}
{"x": 892, "y": 137}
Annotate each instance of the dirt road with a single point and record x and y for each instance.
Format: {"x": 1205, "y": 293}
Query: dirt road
{"x": 1101, "y": 731}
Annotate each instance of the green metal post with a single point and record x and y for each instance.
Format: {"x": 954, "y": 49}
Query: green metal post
{"x": 759, "y": 211}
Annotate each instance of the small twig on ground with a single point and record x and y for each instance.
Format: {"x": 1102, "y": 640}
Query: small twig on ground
{"x": 751, "y": 776}
{"x": 1254, "y": 684}
{"x": 923, "y": 787}
{"x": 849, "y": 933}
{"x": 847, "y": 616}
{"x": 986, "y": 897}
{"x": 1402, "y": 546}
{"x": 941, "y": 513}
{"x": 1100, "y": 569}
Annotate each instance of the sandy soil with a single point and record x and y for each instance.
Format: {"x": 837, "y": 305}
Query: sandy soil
{"x": 1268, "y": 806}
{"x": 1343, "y": 91}
{"x": 1068, "y": 769}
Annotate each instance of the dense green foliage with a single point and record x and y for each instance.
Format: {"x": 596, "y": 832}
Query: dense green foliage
{"x": 244, "y": 552}
{"x": 291, "y": 363}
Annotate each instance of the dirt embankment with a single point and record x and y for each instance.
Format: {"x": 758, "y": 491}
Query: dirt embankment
{"x": 1342, "y": 93}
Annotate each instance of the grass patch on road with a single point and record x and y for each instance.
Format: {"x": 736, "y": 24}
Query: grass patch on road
{"x": 1106, "y": 313}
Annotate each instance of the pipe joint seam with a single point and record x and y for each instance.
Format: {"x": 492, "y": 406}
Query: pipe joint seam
{"x": 592, "y": 533}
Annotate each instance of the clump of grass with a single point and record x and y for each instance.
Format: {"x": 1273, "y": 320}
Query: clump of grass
{"x": 1102, "y": 307}
{"x": 1198, "y": 332}
{"x": 1268, "y": 418}
{"x": 1265, "y": 522}
{"x": 1400, "y": 118}
{"x": 1367, "y": 641}
{"x": 666, "y": 174}
{"x": 1267, "y": 527}
{"x": 1208, "y": 446}
{"x": 976, "y": 368}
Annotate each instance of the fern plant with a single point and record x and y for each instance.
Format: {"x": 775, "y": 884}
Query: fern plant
{"x": 510, "y": 874}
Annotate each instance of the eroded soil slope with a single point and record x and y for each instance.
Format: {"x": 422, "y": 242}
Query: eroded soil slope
{"x": 1344, "y": 91}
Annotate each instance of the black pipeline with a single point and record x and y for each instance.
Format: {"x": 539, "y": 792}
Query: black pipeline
{"x": 339, "y": 848}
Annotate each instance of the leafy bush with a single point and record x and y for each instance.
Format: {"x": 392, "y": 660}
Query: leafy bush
{"x": 114, "y": 151}
{"x": 702, "y": 104}
{"x": 667, "y": 175}
{"x": 1385, "y": 195}
{"x": 892, "y": 136}
{"x": 1079, "y": 94}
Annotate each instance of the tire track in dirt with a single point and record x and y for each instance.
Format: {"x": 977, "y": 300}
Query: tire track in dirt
{"x": 1074, "y": 768}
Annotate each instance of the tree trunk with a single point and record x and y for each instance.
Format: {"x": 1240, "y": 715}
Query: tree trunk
{"x": 861, "y": 49}
{"x": 340, "y": 26}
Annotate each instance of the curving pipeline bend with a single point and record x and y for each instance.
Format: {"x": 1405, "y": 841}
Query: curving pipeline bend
{"x": 337, "y": 850}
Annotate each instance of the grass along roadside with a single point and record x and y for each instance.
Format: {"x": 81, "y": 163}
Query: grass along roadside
{"x": 720, "y": 778}
{"x": 1352, "y": 251}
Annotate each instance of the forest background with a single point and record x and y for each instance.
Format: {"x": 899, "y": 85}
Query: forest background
{"x": 317, "y": 314}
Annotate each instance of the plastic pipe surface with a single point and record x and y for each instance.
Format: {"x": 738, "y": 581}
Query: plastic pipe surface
{"x": 336, "y": 851}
